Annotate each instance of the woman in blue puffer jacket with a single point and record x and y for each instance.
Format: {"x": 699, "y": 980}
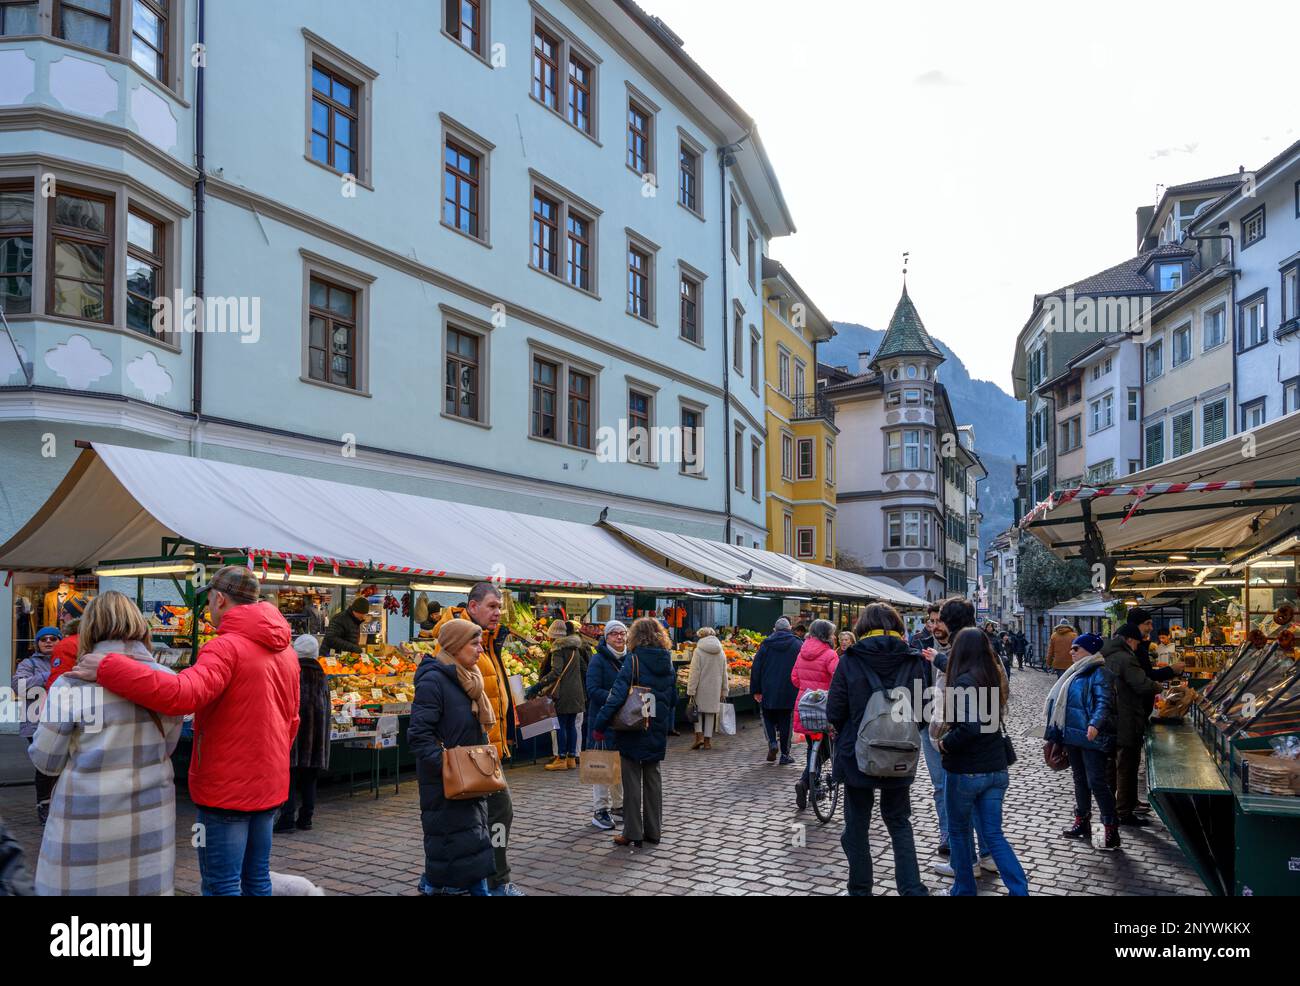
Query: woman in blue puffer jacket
{"x": 1081, "y": 717}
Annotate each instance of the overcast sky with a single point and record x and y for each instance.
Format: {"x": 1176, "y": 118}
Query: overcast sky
{"x": 1005, "y": 146}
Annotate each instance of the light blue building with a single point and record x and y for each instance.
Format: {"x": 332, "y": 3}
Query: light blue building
{"x": 462, "y": 250}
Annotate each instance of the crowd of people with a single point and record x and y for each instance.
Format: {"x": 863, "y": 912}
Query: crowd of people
{"x": 261, "y": 711}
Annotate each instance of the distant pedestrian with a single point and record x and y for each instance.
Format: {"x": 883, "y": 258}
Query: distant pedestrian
{"x": 924, "y": 637}
{"x": 649, "y": 665}
{"x": 814, "y": 670}
{"x": 29, "y": 684}
{"x": 881, "y": 657}
{"x": 800, "y": 631}
{"x": 1080, "y": 712}
{"x": 112, "y": 825}
{"x": 1058, "y": 648}
{"x": 844, "y": 641}
{"x": 975, "y": 759}
{"x": 563, "y": 676}
{"x": 311, "y": 745}
{"x": 706, "y": 686}
{"x": 773, "y": 692}
{"x": 606, "y": 799}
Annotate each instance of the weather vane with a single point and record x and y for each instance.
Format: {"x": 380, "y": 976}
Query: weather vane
{"x": 906, "y": 254}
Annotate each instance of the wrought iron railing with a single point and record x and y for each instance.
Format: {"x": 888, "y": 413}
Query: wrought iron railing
{"x": 809, "y": 406}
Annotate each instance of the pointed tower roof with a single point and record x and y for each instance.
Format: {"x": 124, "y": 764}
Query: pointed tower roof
{"x": 906, "y": 335}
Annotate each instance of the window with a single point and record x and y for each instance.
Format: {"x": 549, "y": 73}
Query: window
{"x": 546, "y": 377}
{"x": 1155, "y": 359}
{"x": 579, "y": 409}
{"x": 787, "y": 531}
{"x": 1253, "y": 322}
{"x": 640, "y": 410}
{"x": 460, "y": 189}
{"x": 830, "y": 461}
{"x": 738, "y": 459}
{"x": 332, "y": 338}
{"x": 1134, "y": 465}
{"x": 1100, "y": 474}
{"x": 1071, "y": 437}
{"x": 638, "y": 282}
{"x": 1133, "y": 404}
{"x": 577, "y": 250}
{"x": 787, "y": 457}
{"x": 911, "y": 396}
{"x": 1096, "y": 372}
{"x": 806, "y": 469}
{"x": 640, "y": 131}
{"x": 894, "y": 399}
{"x": 690, "y": 309}
{"x": 145, "y": 249}
{"x": 735, "y": 225}
{"x": 907, "y": 529}
{"x": 830, "y": 538}
{"x": 1290, "y": 294}
{"x": 738, "y": 341}
{"x": 688, "y": 177}
{"x": 807, "y": 547}
{"x": 1155, "y": 443}
{"x": 334, "y": 119}
{"x": 1037, "y": 365}
{"x": 692, "y": 441}
{"x": 149, "y": 36}
{"x": 92, "y": 23}
{"x": 1101, "y": 413}
{"x": 546, "y": 231}
{"x": 1252, "y": 414}
{"x": 755, "y": 467}
{"x": 546, "y": 68}
{"x": 783, "y": 372}
{"x": 1170, "y": 277}
{"x": 464, "y": 22}
{"x": 18, "y": 18}
{"x": 909, "y": 449}
{"x": 753, "y": 359}
{"x": 79, "y": 265}
{"x": 1212, "y": 328}
{"x": 1181, "y": 436}
{"x": 1290, "y": 395}
{"x": 461, "y": 399}
{"x": 751, "y": 248}
{"x": 580, "y": 89}
{"x": 1214, "y": 422}
{"x": 17, "y": 242}
{"x": 1252, "y": 228}
{"x": 1182, "y": 344}
{"x": 800, "y": 375}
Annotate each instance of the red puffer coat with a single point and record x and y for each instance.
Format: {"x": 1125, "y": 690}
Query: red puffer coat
{"x": 243, "y": 690}
{"x": 814, "y": 668}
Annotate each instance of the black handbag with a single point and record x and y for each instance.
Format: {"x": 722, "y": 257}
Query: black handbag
{"x": 1007, "y": 745}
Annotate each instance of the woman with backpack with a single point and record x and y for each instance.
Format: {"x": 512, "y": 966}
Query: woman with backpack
{"x": 974, "y": 748}
{"x": 649, "y": 666}
{"x": 1081, "y": 718}
{"x": 879, "y": 661}
{"x": 814, "y": 669}
{"x": 563, "y": 677}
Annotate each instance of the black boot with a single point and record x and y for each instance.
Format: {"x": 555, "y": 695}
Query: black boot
{"x": 283, "y": 822}
{"x": 1112, "y": 838}
{"x": 304, "y": 821}
{"x": 801, "y": 793}
{"x": 1134, "y": 821}
{"x": 1081, "y": 829}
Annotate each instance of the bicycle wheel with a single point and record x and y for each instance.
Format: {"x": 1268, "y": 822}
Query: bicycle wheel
{"x": 823, "y": 792}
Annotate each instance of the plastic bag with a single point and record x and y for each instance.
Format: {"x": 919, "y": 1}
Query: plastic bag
{"x": 727, "y": 719}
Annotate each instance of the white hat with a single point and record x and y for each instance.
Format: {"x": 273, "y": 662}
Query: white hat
{"x": 307, "y": 646}
{"x": 613, "y": 626}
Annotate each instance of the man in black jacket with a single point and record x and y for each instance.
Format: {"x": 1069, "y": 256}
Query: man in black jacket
{"x": 772, "y": 689}
{"x": 1134, "y": 690}
{"x": 344, "y": 633}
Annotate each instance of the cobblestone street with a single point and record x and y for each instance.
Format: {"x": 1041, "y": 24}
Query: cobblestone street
{"x": 730, "y": 828}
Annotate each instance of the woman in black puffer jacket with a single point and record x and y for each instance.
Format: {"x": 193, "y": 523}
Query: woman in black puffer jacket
{"x": 881, "y": 652}
{"x": 449, "y": 710}
{"x": 975, "y": 761}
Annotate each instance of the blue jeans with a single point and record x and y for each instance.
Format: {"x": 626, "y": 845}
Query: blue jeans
{"x": 938, "y": 778}
{"x": 235, "y": 854}
{"x": 568, "y": 734}
{"x": 479, "y": 889}
{"x": 978, "y": 797}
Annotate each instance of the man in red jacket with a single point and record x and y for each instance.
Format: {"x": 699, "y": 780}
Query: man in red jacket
{"x": 243, "y": 690}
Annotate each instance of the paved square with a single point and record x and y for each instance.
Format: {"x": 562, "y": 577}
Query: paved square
{"x": 730, "y": 827}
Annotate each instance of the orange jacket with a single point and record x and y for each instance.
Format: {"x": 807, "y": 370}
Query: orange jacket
{"x": 495, "y": 685}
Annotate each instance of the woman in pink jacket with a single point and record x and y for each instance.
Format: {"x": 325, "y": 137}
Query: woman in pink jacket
{"x": 813, "y": 669}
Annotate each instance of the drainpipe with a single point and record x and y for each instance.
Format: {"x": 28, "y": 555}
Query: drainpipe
{"x": 1232, "y": 267}
{"x": 200, "y": 194}
{"x": 726, "y": 156}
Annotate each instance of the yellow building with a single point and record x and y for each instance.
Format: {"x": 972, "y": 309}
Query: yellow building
{"x": 801, "y": 430}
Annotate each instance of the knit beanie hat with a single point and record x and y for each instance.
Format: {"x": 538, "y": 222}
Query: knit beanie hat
{"x": 613, "y": 626}
{"x": 1089, "y": 642}
{"x": 307, "y": 646}
{"x": 557, "y": 630}
{"x": 455, "y": 634}
{"x": 1137, "y": 616}
{"x": 360, "y": 605}
{"x": 781, "y": 624}
{"x": 49, "y": 632}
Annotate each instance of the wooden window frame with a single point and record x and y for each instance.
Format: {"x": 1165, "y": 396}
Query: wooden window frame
{"x": 640, "y": 138}
{"x": 575, "y": 245}
{"x": 573, "y": 425}
{"x": 332, "y": 322}
{"x": 324, "y": 55}
{"x": 461, "y": 178}
{"x": 56, "y": 234}
{"x": 454, "y": 320}
{"x": 692, "y": 299}
{"x": 460, "y": 136}
{"x": 638, "y": 245}
{"x": 566, "y": 203}
{"x": 738, "y": 338}
{"x": 536, "y": 416}
{"x": 690, "y": 407}
{"x": 735, "y": 223}
{"x": 755, "y": 351}
{"x": 787, "y": 457}
{"x": 751, "y": 262}
{"x": 799, "y": 551}
{"x": 567, "y": 366}
{"x": 632, "y": 423}
{"x": 830, "y": 463}
{"x": 539, "y": 61}
{"x": 475, "y": 365}
{"x": 755, "y": 469}
{"x": 334, "y": 110}
{"x": 479, "y": 50}
{"x": 114, "y": 24}
{"x": 162, "y": 9}
{"x": 688, "y": 182}
{"x": 573, "y": 86}
{"x": 787, "y": 534}
{"x": 738, "y": 460}
{"x": 538, "y": 249}
{"x": 324, "y": 269}
{"x": 157, "y": 260}
{"x": 568, "y": 49}
{"x": 800, "y": 473}
{"x": 27, "y": 232}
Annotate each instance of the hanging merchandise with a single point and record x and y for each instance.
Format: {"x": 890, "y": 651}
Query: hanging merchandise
{"x": 421, "y": 608}
{"x": 390, "y": 603}
{"x": 406, "y": 604}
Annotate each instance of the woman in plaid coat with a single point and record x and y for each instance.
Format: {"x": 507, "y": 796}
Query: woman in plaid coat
{"x": 112, "y": 825}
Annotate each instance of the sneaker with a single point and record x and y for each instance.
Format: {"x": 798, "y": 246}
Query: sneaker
{"x": 987, "y": 864}
{"x": 786, "y": 760}
{"x": 1081, "y": 829}
{"x": 942, "y": 868}
{"x": 1134, "y": 821}
{"x": 602, "y": 820}
{"x": 943, "y": 850}
{"x": 506, "y": 890}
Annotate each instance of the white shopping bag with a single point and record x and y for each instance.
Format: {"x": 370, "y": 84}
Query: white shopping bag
{"x": 727, "y": 719}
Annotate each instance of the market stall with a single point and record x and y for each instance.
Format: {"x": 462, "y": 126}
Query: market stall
{"x": 1219, "y": 533}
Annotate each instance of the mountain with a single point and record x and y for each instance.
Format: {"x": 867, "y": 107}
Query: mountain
{"x": 999, "y": 420}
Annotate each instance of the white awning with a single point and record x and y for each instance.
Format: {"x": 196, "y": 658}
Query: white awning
{"x": 1213, "y": 499}
{"x": 1089, "y": 605}
{"x": 736, "y": 567}
{"x": 118, "y": 503}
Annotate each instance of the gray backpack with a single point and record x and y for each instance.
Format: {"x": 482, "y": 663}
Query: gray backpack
{"x": 889, "y": 740}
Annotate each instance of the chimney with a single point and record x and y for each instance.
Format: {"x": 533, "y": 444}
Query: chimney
{"x": 864, "y": 361}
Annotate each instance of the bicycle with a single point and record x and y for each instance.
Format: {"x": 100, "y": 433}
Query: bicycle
{"x": 823, "y": 789}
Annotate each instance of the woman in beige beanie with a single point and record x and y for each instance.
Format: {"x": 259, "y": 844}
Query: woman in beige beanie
{"x": 707, "y": 685}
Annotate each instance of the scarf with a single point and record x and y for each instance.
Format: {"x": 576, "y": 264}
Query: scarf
{"x": 883, "y": 633}
{"x": 471, "y": 683}
{"x": 1056, "y": 704}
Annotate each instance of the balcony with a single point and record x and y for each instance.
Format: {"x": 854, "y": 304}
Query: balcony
{"x": 810, "y": 407}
